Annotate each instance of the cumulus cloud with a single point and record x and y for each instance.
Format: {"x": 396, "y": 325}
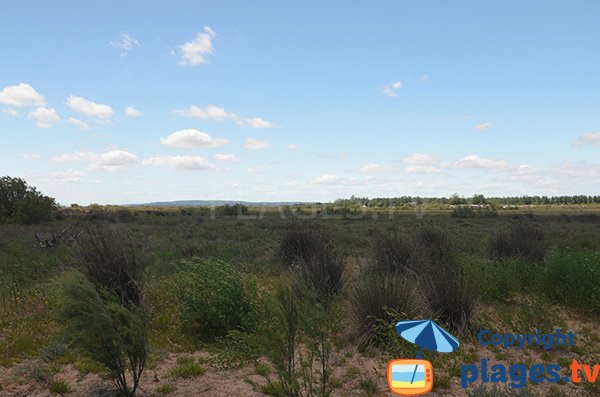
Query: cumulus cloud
{"x": 114, "y": 160}
{"x": 255, "y": 122}
{"x": 189, "y": 138}
{"x": 216, "y": 113}
{"x": 255, "y": 144}
{"x": 483, "y": 126}
{"x": 194, "y": 52}
{"x": 477, "y": 162}
{"x": 589, "y": 138}
{"x": 130, "y": 111}
{"x": 69, "y": 176}
{"x": 373, "y": 167}
{"x": 292, "y": 146}
{"x": 392, "y": 89}
{"x": 44, "y": 117}
{"x": 30, "y": 156}
{"x": 125, "y": 42}
{"x": 421, "y": 169}
{"x": 419, "y": 159}
{"x": 226, "y": 157}
{"x": 89, "y": 108}
{"x": 211, "y": 112}
{"x": 326, "y": 179}
{"x": 21, "y": 95}
{"x": 10, "y": 112}
{"x": 179, "y": 162}
{"x": 82, "y": 125}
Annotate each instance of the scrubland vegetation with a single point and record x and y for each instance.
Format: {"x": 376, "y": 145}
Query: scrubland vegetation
{"x": 304, "y": 302}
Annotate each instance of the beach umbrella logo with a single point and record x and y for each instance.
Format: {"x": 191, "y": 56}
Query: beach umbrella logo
{"x": 414, "y": 377}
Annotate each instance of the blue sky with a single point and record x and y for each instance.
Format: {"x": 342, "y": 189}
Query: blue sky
{"x": 123, "y": 102}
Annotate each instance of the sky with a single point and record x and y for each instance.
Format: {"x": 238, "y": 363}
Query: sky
{"x": 119, "y": 102}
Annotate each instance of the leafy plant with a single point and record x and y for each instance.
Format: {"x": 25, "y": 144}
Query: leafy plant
{"x": 523, "y": 239}
{"x": 216, "y": 298}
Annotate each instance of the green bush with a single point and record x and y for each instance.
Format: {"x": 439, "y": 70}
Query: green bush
{"x": 500, "y": 278}
{"x": 216, "y": 298}
{"x": 187, "y": 367}
{"x": 573, "y": 277}
{"x": 373, "y": 297}
{"x": 469, "y": 212}
{"x": 22, "y": 203}
{"x": 523, "y": 239}
{"x": 311, "y": 251}
{"x": 393, "y": 253}
{"x": 449, "y": 288}
{"x": 103, "y": 329}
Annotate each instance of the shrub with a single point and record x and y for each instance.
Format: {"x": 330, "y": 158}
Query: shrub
{"x": 311, "y": 251}
{"x": 110, "y": 261}
{"x": 523, "y": 240}
{"x": 22, "y": 203}
{"x": 216, "y": 299}
{"x": 372, "y": 298}
{"x": 470, "y": 212}
{"x": 35, "y": 369}
{"x": 572, "y": 277}
{"x": 393, "y": 253}
{"x": 104, "y": 329}
{"x": 103, "y": 307}
{"x": 165, "y": 389}
{"x": 450, "y": 290}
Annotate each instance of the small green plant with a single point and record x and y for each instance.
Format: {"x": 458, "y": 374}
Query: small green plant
{"x": 60, "y": 387}
{"x": 262, "y": 369}
{"x": 167, "y": 388}
{"x": 187, "y": 367}
{"x": 369, "y": 387}
{"x": 216, "y": 298}
{"x": 35, "y": 369}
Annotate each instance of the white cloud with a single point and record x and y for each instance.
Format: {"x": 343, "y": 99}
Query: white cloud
{"x": 211, "y": 112}
{"x": 70, "y": 176}
{"x": 89, "y": 108}
{"x": 421, "y": 169}
{"x": 326, "y": 179}
{"x": 255, "y": 144}
{"x": 480, "y": 163}
{"x": 216, "y": 113}
{"x": 44, "y": 117}
{"x": 392, "y": 89}
{"x": 483, "y": 126}
{"x": 21, "y": 95}
{"x": 256, "y": 122}
{"x": 226, "y": 157}
{"x": 589, "y": 138}
{"x": 373, "y": 167}
{"x": 194, "y": 52}
{"x": 114, "y": 160}
{"x": 82, "y": 125}
{"x": 10, "y": 112}
{"x": 292, "y": 146}
{"x": 30, "y": 156}
{"x": 130, "y": 111}
{"x": 125, "y": 43}
{"x": 179, "y": 162}
{"x": 419, "y": 159}
{"x": 191, "y": 138}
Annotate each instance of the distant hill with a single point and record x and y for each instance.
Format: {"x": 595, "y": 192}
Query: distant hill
{"x": 209, "y": 203}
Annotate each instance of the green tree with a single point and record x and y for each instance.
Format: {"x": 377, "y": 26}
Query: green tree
{"x": 22, "y": 203}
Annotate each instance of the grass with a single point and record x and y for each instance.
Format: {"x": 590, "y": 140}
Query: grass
{"x": 167, "y": 388}
{"x": 187, "y": 367}
{"x": 514, "y": 285}
{"x": 60, "y": 387}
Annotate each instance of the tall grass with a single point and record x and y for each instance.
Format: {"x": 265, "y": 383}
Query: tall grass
{"x": 523, "y": 239}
